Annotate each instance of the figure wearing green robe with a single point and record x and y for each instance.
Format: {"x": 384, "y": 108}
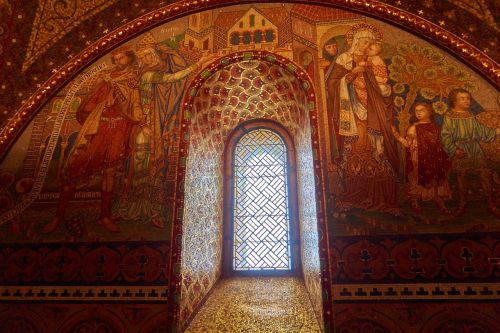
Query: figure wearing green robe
{"x": 461, "y": 135}
{"x": 463, "y": 131}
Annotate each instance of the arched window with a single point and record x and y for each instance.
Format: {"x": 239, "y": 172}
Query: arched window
{"x": 235, "y": 38}
{"x": 247, "y": 37}
{"x": 252, "y": 20}
{"x": 260, "y": 201}
{"x": 257, "y": 36}
{"x": 269, "y": 35}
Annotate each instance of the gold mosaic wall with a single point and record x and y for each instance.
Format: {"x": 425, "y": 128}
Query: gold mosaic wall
{"x": 202, "y": 225}
{"x": 308, "y": 219}
{"x": 240, "y": 305}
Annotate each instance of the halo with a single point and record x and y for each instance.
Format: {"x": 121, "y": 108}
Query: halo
{"x": 360, "y": 27}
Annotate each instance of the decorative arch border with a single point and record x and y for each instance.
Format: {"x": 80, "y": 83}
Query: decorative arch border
{"x": 185, "y": 119}
{"x": 466, "y": 52}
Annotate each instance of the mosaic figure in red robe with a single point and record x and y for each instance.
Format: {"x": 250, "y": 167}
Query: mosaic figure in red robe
{"x": 110, "y": 116}
{"x": 427, "y": 164}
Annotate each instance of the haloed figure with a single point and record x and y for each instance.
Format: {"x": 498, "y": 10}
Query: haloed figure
{"x": 110, "y": 115}
{"x": 360, "y": 116}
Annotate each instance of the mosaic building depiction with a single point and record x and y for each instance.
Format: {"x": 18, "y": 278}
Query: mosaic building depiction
{"x": 138, "y": 185}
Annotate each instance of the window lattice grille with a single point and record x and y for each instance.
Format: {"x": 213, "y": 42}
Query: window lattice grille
{"x": 261, "y": 218}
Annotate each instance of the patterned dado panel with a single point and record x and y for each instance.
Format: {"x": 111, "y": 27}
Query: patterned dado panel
{"x": 417, "y": 317}
{"x": 52, "y": 317}
{"x": 425, "y": 283}
{"x": 83, "y": 264}
{"x": 238, "y": 88}
{"x": 426, "y": 259}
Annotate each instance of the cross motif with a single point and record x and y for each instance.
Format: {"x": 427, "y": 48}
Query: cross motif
{"x": 466, "y": 254}
{"x": 415, "y": 255}
{"x": 365, "y": 255}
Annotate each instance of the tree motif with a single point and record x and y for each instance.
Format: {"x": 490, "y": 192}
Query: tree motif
{"x": 421, "y": 71}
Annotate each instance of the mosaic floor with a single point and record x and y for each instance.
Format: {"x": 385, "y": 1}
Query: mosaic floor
{"x": 261, "y": 304}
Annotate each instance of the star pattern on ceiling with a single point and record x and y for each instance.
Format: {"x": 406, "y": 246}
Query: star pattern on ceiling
{"x": 56, "y": 18}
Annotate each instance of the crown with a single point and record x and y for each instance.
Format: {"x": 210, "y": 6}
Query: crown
{"x": 147, "y": 40}
{"x": 363, "y": 27}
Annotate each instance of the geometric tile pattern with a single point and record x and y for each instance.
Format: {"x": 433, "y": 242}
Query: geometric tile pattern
{"x": 415, "y": 291}
{"x": 256, "y": 305}
{"x": 436, "y": 259}
{"x": 130, "y": 294}
{"x": 261, "y": 217}
{"x": 202, "y": 228}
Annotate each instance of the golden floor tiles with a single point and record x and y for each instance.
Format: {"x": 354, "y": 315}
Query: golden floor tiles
{"x": 263, "y": 304}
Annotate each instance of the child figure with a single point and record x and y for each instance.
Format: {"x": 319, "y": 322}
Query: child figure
{"x": 427, "y": 163}
{"x": 377, "y": 65}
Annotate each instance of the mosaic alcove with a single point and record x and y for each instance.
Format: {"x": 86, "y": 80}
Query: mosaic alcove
{"x": 258, "y": 86}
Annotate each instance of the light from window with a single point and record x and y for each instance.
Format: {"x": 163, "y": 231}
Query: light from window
{"x": 261, "y": 210}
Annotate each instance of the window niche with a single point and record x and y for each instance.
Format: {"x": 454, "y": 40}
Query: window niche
{"x": 260, "y": 202}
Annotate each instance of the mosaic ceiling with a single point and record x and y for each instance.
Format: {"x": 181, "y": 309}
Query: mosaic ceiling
{"x": 38, "y": 37}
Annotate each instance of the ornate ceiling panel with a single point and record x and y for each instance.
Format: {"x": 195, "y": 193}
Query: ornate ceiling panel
{"x": 56, "y": 18}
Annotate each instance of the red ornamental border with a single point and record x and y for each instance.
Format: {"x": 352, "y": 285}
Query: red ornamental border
{"x": 468, "y": 53}
{"x": 290, "y": 66}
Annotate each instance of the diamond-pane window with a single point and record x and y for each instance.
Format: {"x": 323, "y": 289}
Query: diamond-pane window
{"x": 261, "y": 239}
